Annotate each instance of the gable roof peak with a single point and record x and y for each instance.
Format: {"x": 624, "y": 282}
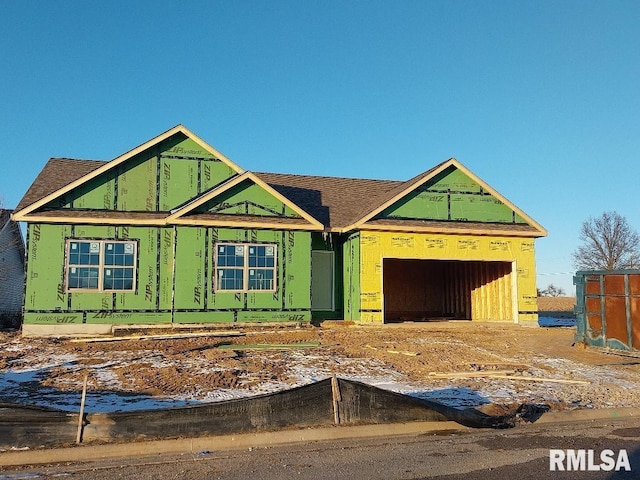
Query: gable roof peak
{"x": 403, "y": 189}
{"x": 42, "y": 192}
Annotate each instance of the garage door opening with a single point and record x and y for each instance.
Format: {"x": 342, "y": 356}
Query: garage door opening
{"x": 423, "y": 290}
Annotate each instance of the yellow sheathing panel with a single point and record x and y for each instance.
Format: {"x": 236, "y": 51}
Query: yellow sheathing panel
{"x": 502, "y": 288}
{"x": 526, "y": 278}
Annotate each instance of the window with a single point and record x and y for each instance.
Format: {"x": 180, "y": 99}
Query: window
{"x": 101, "y": 265}
{"x": 245, "y": 267}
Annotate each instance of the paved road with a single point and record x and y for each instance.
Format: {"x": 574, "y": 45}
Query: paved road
{"x": 521, "y": 453}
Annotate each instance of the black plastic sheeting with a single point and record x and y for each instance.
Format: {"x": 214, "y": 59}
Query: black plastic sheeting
{"x": 311, "y": 405}
{"x": 29, "y": 426}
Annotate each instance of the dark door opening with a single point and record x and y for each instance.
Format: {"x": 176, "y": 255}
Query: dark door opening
{"x": 422, "y": 290}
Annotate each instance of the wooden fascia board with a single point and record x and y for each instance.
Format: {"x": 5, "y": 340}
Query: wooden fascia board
{"x": 449, "y": 230}
{"x": 230, "y": 183}
{"x": 242, "y": 224}
{"x": 210, "y": 149}
{"x": 93, "y": 220}
{"x": 124, "y": 157}
{"x": 166, "y": 221}
{"x": 397, "y": 197}
{"x": 315, "y": 223}
{"x": 18, "y": 217}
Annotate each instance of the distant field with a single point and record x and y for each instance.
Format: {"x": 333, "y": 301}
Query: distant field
{"x": 556, "y": 306}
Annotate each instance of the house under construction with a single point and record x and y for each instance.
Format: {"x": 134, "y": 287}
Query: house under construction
{"x": 174, "y": 233}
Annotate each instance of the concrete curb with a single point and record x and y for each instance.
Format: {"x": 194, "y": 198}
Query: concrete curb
{"x": 84, "y": 453}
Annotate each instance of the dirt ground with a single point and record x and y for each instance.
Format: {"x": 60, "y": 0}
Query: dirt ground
{"x": 460, "y": 363}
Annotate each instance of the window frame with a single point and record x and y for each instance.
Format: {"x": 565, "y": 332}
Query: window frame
{"x": 101, "y": 266}
{"x": 245, "y": 268}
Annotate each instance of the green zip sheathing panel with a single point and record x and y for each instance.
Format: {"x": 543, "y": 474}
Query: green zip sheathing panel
{"x": 52, "y": 318}
{"x": 270, "y": 317}
{"x": 178, "y": 181}
{"x": 47, "y": 302}
{"x": 420, "y": 204}
{"x": 296, "y": 271}
{"x": 468, "y": 207}
{"x": 166, "y": 261}
{"x": 45, "y": 272}
{"x": 180, "y": 171}
{"x": 151, "y": 302}
{"x": 213, "y": 172}
{"x": 155, "y": 300}
{"x": 351, "y": 256}
{"x": 452, "y": 195}
{"x": 197, "y": 302}
{"x": 187, "y": 169}
{"x": 181, "y": 146}
{"x": 146, "y": 295}
{"x": 291, "y": 300}
{"x": 190, "y": 269}
{"x": 453, "y": 179}
{"x": 247, "y": 198}
{"x": 137, "y": 181}
{"x": 97, "y": 193}
{"x": 137, "y": 184}
{"x": 182, "y": 179}
{"x": 128, "y": 318}
{"x": 157, "y": 179}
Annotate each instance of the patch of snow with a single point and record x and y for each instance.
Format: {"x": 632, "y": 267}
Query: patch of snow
{"x": 21, "y": 382}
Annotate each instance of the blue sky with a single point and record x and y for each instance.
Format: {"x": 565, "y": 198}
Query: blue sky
{"x": 541, "y": 99}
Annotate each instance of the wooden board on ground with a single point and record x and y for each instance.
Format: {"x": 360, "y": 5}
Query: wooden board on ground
{"x": 488, "y": 373}
{"x": 270, "y": 346}
{"x": 540, "y": 379}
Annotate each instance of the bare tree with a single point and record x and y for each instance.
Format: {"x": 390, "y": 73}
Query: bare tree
{"x": 608, "y": 243}
{"x": 552, "y": 291}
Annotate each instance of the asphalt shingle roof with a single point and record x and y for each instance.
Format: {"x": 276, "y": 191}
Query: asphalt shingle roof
{"x": 334, "y": 201}
{"x": 57, "y": 173}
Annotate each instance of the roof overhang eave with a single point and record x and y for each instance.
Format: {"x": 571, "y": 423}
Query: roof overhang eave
{"x": 440, "y": 230}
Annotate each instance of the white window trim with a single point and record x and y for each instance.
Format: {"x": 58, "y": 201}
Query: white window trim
{"x": 245, "y": 268}
{"x": 101, "y": 266}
